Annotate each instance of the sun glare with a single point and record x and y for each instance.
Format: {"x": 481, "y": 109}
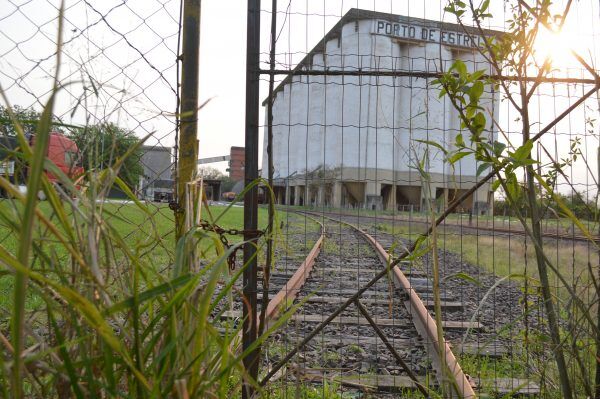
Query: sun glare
{"x": 555, "y": 46}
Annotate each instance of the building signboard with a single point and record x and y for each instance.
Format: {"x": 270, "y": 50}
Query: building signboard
{"x": 412, "y": 32}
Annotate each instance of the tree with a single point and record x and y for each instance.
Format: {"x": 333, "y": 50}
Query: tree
{"x": 208, "y": 172}
{"x": 27, "y": 117}
{"x": 101, "y": 145}
{"x": 514, "y": 53}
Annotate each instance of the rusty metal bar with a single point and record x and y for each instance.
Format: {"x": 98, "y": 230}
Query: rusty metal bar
{"x": 295, "y": 283}
{"x": 188, "y": 113}
{"x": 251, "y": 362}
{"x": 417, "y": 74}
{"x": 391, "y": 348}
{"x": 270, "y": 198}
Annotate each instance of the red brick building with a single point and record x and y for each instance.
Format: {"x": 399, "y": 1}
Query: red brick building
{"x": 237, "y": 163}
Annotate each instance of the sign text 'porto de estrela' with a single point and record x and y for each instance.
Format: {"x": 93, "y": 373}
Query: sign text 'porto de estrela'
{"x": 426, "y": 34}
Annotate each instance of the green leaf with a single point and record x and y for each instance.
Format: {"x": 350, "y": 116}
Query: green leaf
{"x": 422, "y": 246}
{"x": 512, "y": 187}
{"x": 479, "y": 121}
{"x": 477, "y": 75}
{"x": 476, "y": 91}
{"x": 495, "y": 185}
{"x": 149, "y": 294}
{"x": 523, "y": 152}
{"x": 484, "y": 6}
{"x": 458, "y": 156}
{"x": 460, "y": 142}
{"x": 460, "y": 68}
{"x": 482, "y": 168}
{"x": 463, "y": 276}
{"x": 498, "y": 148}
{"x": 470, "y": 112}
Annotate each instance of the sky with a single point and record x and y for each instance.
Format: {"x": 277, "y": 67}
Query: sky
{"x": 119, "y": 60}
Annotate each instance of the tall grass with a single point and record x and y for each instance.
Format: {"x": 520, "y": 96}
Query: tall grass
{"x": 92, "y": 314}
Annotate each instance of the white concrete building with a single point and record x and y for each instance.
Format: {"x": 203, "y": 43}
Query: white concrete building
{"x": 346, "y": 140}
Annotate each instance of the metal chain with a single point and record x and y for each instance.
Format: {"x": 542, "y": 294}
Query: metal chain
{"x": 222, "y": 233}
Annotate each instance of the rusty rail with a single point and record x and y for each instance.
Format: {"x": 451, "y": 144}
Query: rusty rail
{"x": 295, "y": 283}
{"x": 424, "y": 323}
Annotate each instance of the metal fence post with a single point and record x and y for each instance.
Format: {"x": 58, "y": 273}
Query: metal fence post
{"x": 188, "y": 141}
{"x": 251, "y": 197}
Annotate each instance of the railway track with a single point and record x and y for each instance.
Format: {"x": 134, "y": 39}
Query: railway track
{"x": 384, "y": 343}
{"x": 460, "y": 227}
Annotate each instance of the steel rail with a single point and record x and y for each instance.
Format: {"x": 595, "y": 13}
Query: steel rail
{"x": 292, "y": 287}
{"x": 424, "y": 323}
{"x": 296, "y": 282}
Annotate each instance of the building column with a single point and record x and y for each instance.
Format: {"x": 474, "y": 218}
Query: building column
{"x": 481, "y": 199}
{"x": 320, "y": 195}
{"x": 307, "y": 195}
{"x": 336, "y": 200}
{"x": 297, "y": 191}
{"x": 372, "y": 195}
{"x": 288, "y": 194}
{"x": 391, "y": 202}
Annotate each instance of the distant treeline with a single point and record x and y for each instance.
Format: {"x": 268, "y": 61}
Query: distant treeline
{"x": 582, "y": 208}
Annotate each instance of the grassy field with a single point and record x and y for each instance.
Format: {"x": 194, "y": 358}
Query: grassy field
{"x": 151, "y": 234}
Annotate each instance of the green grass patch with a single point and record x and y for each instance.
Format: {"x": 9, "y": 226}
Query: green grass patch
{"x": 138, "y": 228}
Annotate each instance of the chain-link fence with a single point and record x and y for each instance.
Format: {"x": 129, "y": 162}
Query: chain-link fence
{"x": 117, "y": 84}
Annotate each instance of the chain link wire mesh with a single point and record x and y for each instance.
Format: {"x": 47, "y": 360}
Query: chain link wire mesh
{"x": 118, "y": 84}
